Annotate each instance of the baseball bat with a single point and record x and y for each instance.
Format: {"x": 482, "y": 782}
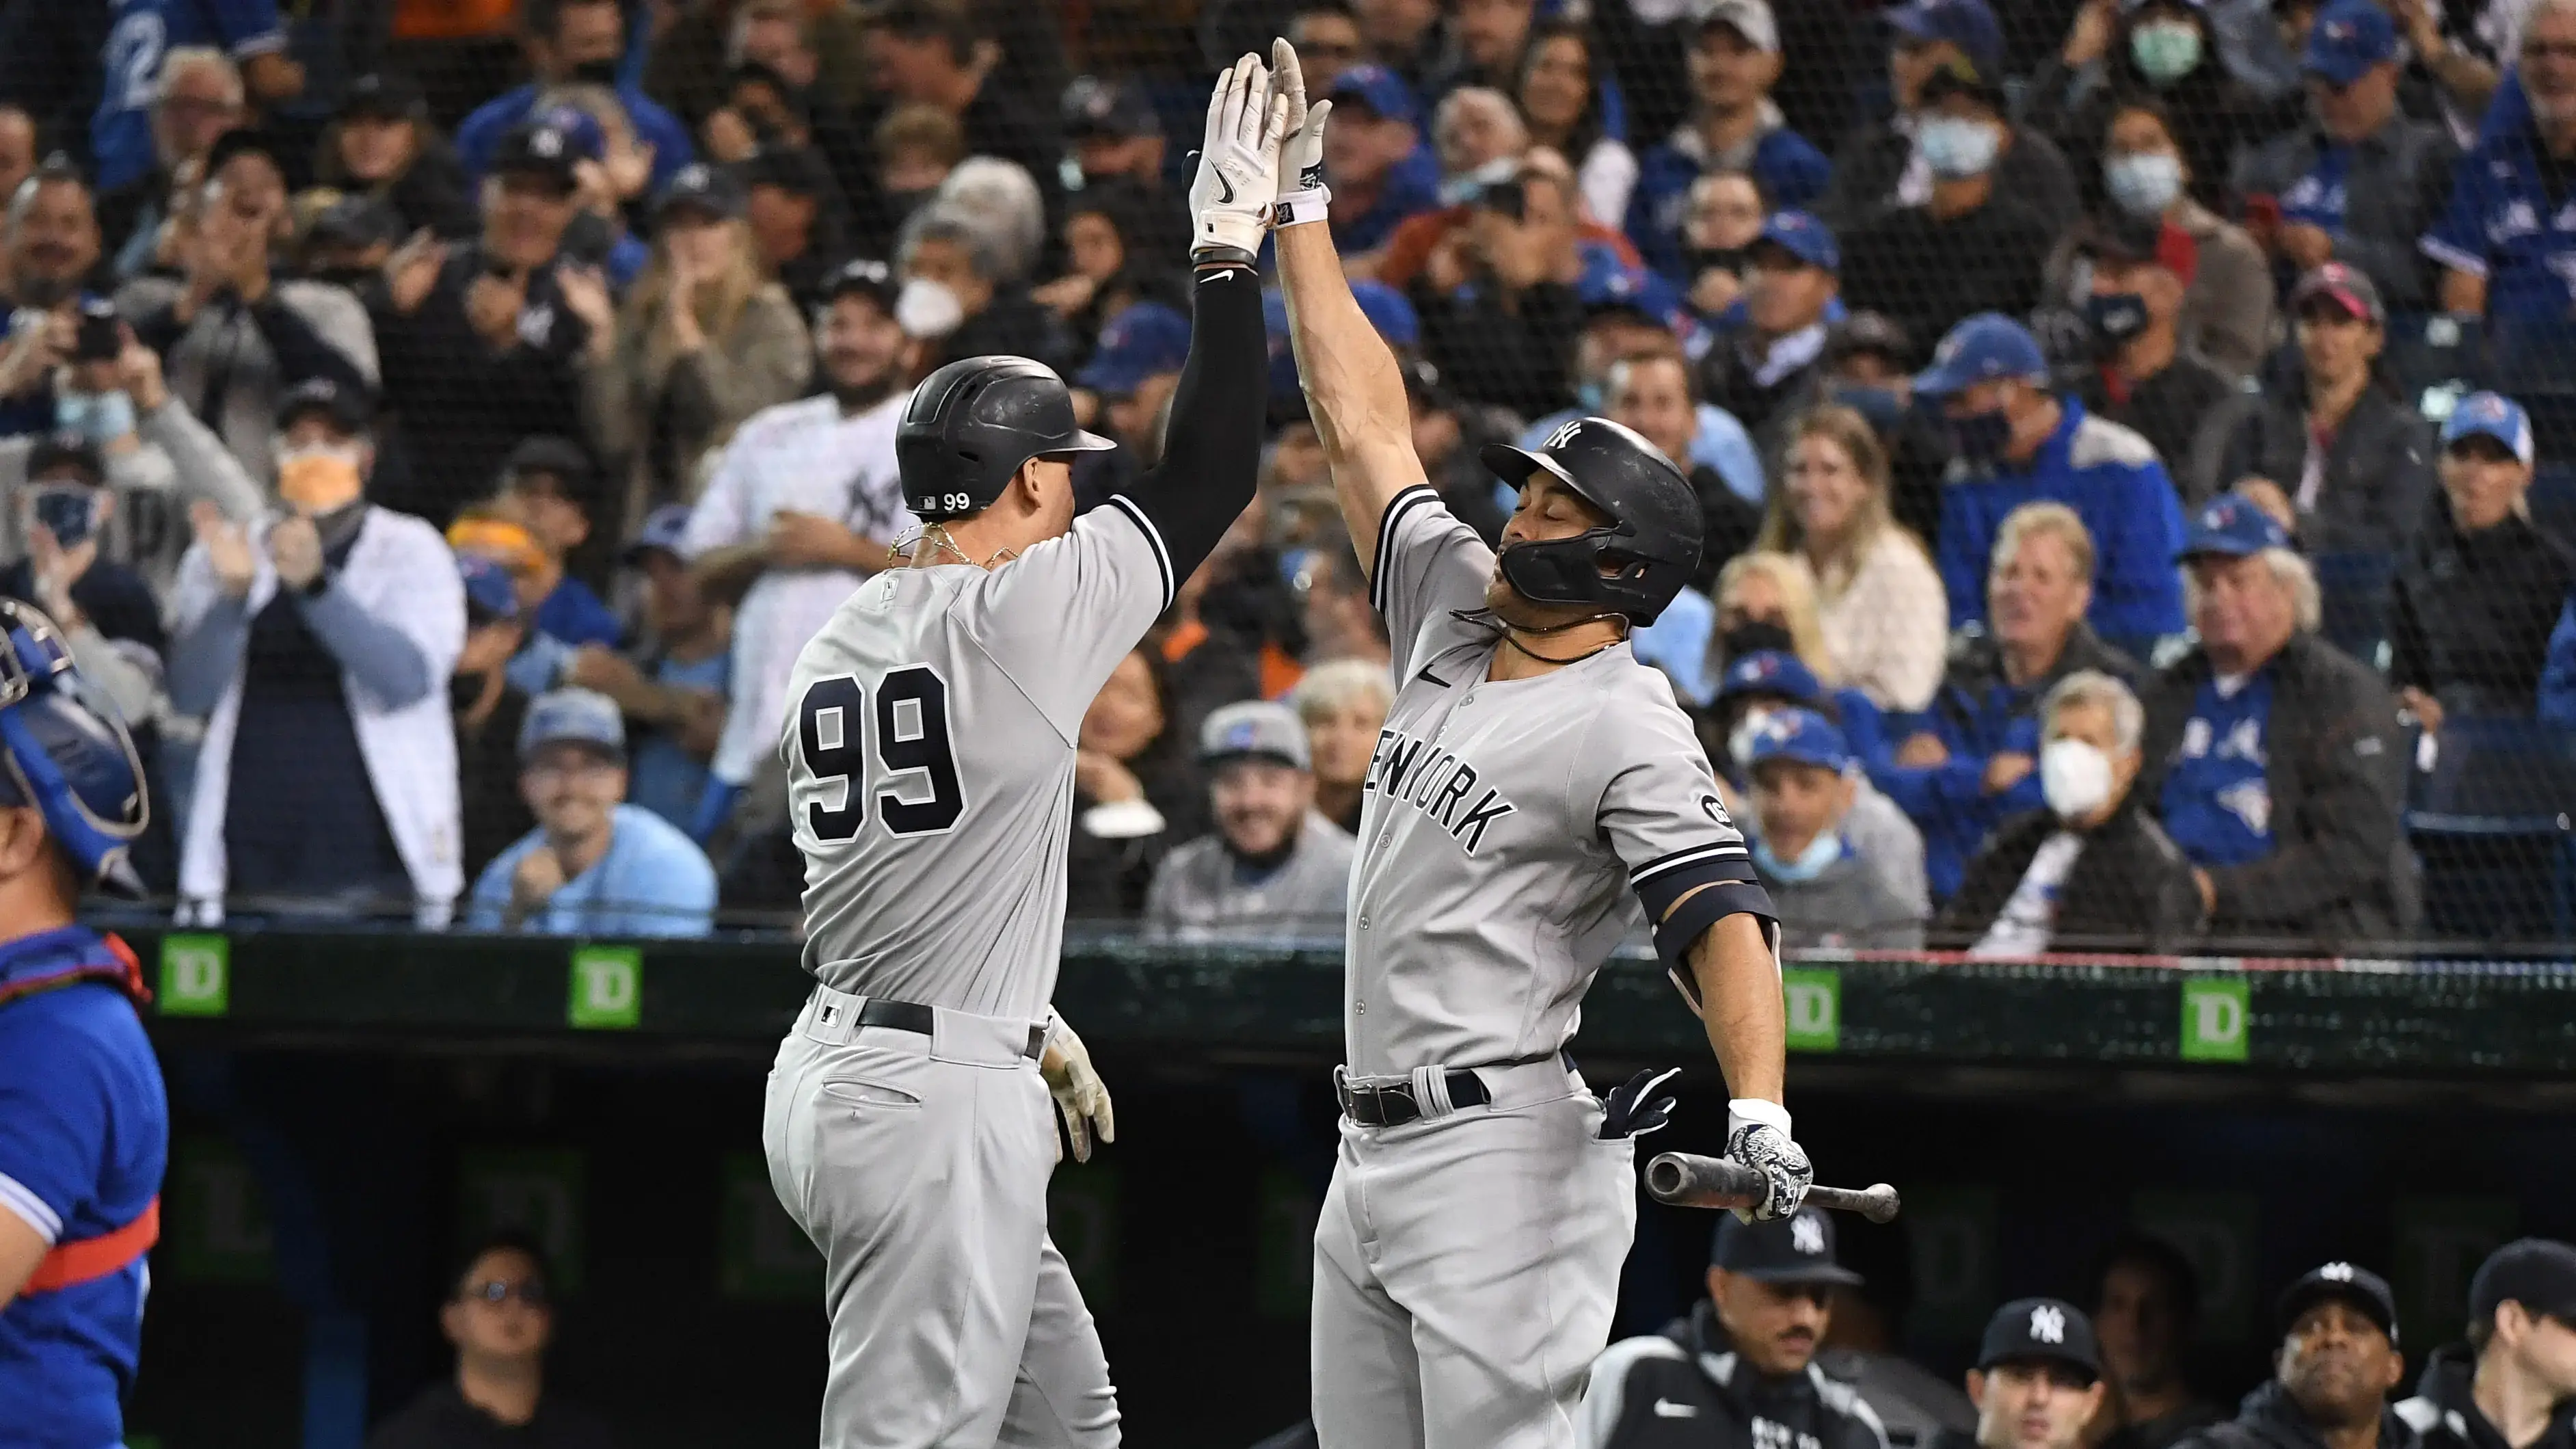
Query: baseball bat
{"x": 1685, "y": 1179}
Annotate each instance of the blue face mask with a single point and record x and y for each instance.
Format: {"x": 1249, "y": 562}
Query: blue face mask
{"x": 102, "y": 417}
{"x": 2114, "y": 319}
{"x": 1957, "y": 148}
{"x": 1812, "y": 862}
{"x": 1880, "y": 405}
{"x": 1979, "y": 438}
{"x": 2143, "y": 183}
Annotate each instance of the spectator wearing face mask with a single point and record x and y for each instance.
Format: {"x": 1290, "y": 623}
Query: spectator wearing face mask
{"x": 1884, "y": 165}
{"x": 2140, "y": 375}
{"x": 1735, "y": 60}
{"x": 1760, "y": 682}
{"x": 1971, "y": 759}
{"x": 2273, "y": 756}
{"x": 2164, "y": 49}
{"x": 1804, "y": 779}
{"x": 960, "y": 295}
{"x": 572, "y": 42}
{"x": 2362, "y": 182}
{"x": 2091, "y": 871}
{"x": 1971, "y": 245}
{"x": 1274, "y": 870}
{"x": 595, "y": 865}
{"x": 2018, "y": 441}
{"x": 2227, "y": 304}
{"x": 1771, "y": 342}
{"x": 107, "y": 612}
{"x": 316, "y": 647}
{"x": 2508, "y": 1386}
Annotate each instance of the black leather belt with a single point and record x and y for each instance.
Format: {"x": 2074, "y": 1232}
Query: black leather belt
{"x": 1393, "y": 1104}
{"x": 914, "y": 1017}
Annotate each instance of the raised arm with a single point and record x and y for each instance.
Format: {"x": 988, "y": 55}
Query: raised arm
{"x": 1353, "y": 388}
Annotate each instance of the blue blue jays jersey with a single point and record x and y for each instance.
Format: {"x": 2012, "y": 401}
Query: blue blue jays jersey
{"x": 143, "y": 33}
{"x": 84, "y": 1137}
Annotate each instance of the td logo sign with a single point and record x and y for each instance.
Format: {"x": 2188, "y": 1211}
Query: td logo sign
{"x": 2216, "y": 1024}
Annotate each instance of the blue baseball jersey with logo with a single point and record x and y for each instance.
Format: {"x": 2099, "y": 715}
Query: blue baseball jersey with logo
{"x": 84, "y": 1136}
{"x": 2317, "y": 199}
{"x": 2217, "y": 802}
{"x": 2504, "y": 225}
{"x": 142, "y": 33}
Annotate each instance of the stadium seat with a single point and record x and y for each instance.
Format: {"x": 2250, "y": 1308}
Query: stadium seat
{"x": 2491, "y": 823}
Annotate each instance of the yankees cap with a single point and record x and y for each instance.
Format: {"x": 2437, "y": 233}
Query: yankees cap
{"x": 2049, "y": 1330}
{"x": 1796, "y": 1249}
{"x": 2358, "y": 1286}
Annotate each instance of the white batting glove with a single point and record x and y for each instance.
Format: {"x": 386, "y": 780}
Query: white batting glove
{"x": 1079, "y": 1093}
{"x": 1757, "y": 1135}
{"x": 1303, "y": 197}
{"x": 1238, "y": 176}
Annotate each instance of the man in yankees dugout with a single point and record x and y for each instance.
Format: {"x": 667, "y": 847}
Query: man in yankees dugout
{"x": 1531, "y": 778}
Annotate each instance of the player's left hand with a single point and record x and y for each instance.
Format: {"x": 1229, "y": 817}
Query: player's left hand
{"x": 1079, "y": 1093}
{"x": 1757, "y": 1135}
{"x": 1632, "y": 1109}
{"x": 1238, "y": 175}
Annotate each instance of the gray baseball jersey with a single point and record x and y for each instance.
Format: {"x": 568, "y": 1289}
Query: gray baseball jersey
{"x": 1511, "y": 831}
{"x": 929, "y": 751}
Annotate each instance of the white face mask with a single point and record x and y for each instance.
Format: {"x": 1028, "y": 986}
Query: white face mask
{"x": 927, "y": 309}
{"x": 2074, "y": 778}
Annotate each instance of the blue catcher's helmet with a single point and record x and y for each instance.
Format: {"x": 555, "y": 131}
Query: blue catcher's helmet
{"x": 67, "y": 752}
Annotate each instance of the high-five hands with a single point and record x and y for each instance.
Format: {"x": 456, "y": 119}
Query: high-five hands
{"x": 1302, "y": 194}
{"x": 1238, "y": 175}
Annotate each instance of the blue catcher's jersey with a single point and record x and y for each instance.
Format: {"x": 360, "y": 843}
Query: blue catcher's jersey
{"x": 84, "y": 1136}
{"x": 141, "y": 35}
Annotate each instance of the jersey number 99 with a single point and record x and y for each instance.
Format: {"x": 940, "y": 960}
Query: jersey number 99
{"x": 911, "y": 736}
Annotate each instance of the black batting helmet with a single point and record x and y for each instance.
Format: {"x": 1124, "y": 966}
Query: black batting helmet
{"x": 970, "y": 426}
{"x": 1650, "y": 548}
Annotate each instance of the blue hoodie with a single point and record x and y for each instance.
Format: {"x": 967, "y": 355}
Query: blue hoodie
{"x": 2501, "y": 225}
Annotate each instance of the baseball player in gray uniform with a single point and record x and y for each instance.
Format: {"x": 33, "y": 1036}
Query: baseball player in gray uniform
{"x": 930, "y": 751}
{"x": 1531, "y": 780}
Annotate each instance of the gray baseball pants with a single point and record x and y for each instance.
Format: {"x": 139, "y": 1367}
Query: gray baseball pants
{"x": 918, "y": 1165}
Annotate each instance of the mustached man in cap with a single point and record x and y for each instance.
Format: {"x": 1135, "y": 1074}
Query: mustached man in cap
{"x": 2513, "y": 1384}
{"x": 2331, "y": 1376}
{"x": 2038, "y": 1379}
{"x": 1740, "y": 1371}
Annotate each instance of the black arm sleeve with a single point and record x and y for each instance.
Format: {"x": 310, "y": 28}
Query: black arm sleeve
{"x": 1212, "y": 449}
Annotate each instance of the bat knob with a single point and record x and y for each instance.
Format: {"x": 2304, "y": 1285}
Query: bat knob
{"x": 1879, "y": 1203}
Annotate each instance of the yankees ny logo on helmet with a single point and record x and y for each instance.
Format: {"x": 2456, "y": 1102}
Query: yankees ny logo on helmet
{"x": 2336, "y": 1272}
{"x": 1807, "y": 1233}
{"x": 2048, "y": 1324}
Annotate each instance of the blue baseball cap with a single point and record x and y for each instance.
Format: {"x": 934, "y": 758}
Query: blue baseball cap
{"x": 1770, "y": 671}
{"x": 1984, "y": 347}
{"x": 2231, "y": 525}
{"x": 1801, "y": 735}
{"x": 2491, "y": 415}
{"x": 575, "y": 716}
{"x": 1803, "y": 237}
{"x": 1386, "y": 309}
{"x": 1381, "y": 91}
{"x": 2347, "y": 38}
{"x": 660, "y": 533}
{"x": 1967, "y": 24}
{"x": 488, "y": 590}
{"x": 1145, "y": 339}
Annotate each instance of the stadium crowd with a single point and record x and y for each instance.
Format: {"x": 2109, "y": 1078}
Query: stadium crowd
{"x": 2134, "y": 436}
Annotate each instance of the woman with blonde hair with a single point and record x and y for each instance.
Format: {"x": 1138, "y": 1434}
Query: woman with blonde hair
{"x": 1879, "y": 601}
{"x": 1767, "y": 590}
{"x": 704, "y": 341}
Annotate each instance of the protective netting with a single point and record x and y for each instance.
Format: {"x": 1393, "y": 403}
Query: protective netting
{"x": 2217, "y": 353}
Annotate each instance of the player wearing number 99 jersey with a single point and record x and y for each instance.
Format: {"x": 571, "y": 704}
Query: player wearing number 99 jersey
{"x": 930, "y": 753}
